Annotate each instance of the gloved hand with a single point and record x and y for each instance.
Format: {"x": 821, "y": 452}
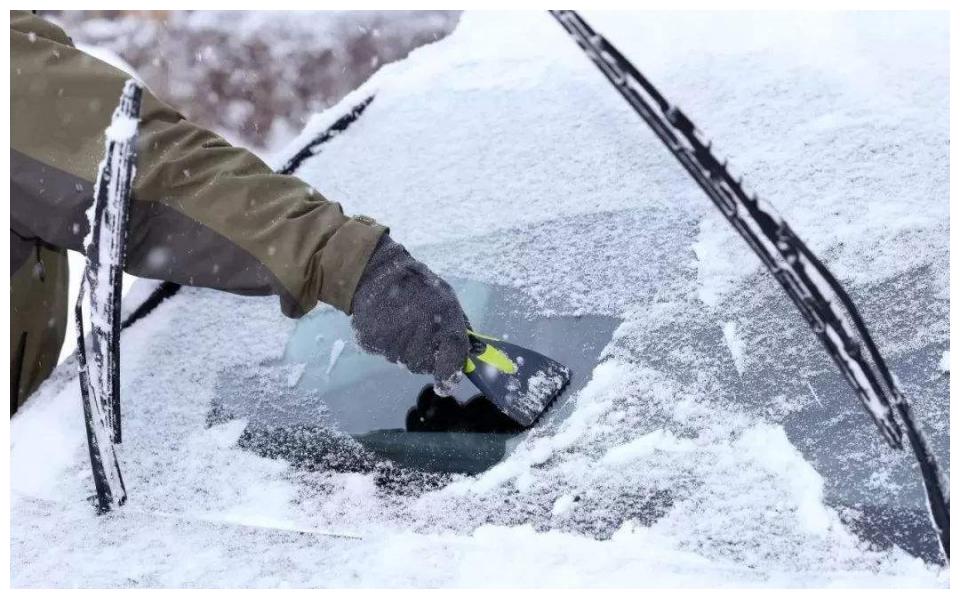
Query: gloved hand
{"x": 406, "y": 313}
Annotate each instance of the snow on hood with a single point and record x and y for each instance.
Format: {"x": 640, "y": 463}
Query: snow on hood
{"x": 500, "y": 154}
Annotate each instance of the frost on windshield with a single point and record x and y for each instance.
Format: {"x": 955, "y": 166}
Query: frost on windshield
{"x": 499, "y": 157}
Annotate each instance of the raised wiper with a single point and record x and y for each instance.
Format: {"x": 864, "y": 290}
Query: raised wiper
{"x": 821, "y": 299}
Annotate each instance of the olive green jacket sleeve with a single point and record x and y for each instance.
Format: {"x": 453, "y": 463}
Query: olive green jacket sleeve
{"x": 203, "y": 212}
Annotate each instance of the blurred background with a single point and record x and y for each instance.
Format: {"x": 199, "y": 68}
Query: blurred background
{"x": 255, "y": 77}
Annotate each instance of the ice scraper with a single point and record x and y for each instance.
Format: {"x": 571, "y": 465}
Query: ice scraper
{"x": 520, "y": 382}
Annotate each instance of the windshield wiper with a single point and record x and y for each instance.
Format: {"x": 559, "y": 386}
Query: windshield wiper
{"x": 821, "y": 299}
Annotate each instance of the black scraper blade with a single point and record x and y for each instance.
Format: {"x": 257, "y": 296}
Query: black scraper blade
{"x": 522, "y": 383}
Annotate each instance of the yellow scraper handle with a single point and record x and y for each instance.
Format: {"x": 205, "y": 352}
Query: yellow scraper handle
{"x": 488, "y": 354}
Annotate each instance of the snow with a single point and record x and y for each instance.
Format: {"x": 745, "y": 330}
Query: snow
{"x": 122, "y": 128}
{"x": 119, "y": 129}
{"x": 500, "y": 154}
{"x": 716, "y": 273}
{"x": 563, "y": 504}
{"x": 644, "y": 446}
{"x": 735, "y": 344}
{"x": 50, "y": 429}
{"x": 296, "y": 373}
{"x": 105, "y": 237}
{"x": 335, "y": 350}
{"x": 542, "y": 386}
{"x": 254, "y": 75}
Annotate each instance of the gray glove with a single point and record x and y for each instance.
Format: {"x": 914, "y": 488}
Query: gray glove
{"x": 406, "y": 313}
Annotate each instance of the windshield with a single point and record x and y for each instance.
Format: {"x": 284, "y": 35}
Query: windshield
{"x": 706, "y": 437}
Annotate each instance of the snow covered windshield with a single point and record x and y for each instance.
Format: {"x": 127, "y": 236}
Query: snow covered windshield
{"x": 710, "y": 440}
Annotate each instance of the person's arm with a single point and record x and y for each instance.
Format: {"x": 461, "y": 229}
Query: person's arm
{"x": 203, "y": 212}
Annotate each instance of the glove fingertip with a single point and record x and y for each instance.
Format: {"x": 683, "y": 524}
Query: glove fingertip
{"x": 451, "y": 356}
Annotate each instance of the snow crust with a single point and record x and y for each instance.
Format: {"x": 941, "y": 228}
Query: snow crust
{"x": 736, "y": 345}
{"x": 541, "y": 388}
{"x": 335, "y": 352}
{"x": 500, "y": 154}
{"x": 122, "y": 128}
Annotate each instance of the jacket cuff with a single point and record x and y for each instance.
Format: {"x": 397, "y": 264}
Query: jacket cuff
{"x": 344, "y": 258}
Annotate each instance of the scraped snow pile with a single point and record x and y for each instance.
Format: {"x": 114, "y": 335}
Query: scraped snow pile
{"x": 715, "y": 444}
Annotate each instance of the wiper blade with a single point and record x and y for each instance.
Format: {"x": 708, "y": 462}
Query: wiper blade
{"x": 105, "y": 250}
{"x": 820, "y": 298}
